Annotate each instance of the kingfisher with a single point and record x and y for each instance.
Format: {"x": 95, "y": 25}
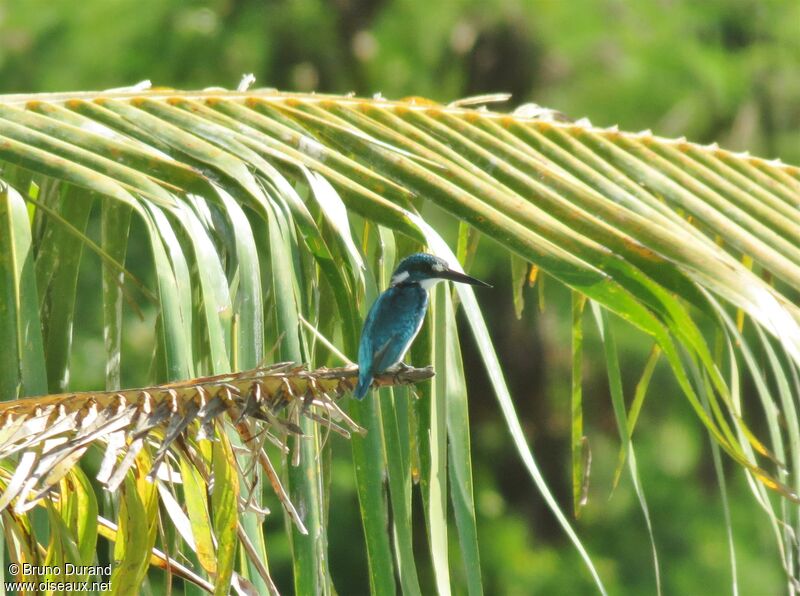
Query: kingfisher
{"x": 397, "y": 315}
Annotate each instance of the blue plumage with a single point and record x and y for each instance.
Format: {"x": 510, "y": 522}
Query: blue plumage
{"x": 392, "y": 324}
{"x": 397, "y": 315}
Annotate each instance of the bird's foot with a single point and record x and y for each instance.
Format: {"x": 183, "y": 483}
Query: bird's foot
{"x": 398, "y": 369}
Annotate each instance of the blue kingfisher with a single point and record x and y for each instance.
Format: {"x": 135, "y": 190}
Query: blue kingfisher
{"x": 396, "y": 317}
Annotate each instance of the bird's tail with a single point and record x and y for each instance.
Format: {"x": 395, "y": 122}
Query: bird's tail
{"x": 364, "y": 381}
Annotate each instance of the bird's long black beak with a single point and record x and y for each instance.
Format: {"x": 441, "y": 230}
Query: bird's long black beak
{"x": 462, "y": 278}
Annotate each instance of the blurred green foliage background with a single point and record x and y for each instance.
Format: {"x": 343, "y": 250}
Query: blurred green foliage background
{"x": 716, "y": 70}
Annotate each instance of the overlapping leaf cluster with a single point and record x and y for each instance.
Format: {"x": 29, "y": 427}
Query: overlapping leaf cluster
{"x": 270, "y": 217}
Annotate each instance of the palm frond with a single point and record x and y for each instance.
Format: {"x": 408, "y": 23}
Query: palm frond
{"x": 54, "y": 431}
{"x": 261, "y": 209}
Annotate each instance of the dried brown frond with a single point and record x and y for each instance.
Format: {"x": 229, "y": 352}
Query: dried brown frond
{"x": 48, "y": 435}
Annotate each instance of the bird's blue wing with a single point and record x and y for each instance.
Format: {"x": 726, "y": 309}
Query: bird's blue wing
{"x": 391, "y": 325}
{"x": 398, "y": 314}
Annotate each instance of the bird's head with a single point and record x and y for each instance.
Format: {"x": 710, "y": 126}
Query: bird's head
{"x": 426, "y": 270}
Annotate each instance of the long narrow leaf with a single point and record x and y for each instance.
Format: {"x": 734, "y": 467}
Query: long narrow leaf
{"x": 22, "y": 362}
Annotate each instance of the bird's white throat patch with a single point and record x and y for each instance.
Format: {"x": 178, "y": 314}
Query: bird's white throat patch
{"x": 427, "y": 284}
